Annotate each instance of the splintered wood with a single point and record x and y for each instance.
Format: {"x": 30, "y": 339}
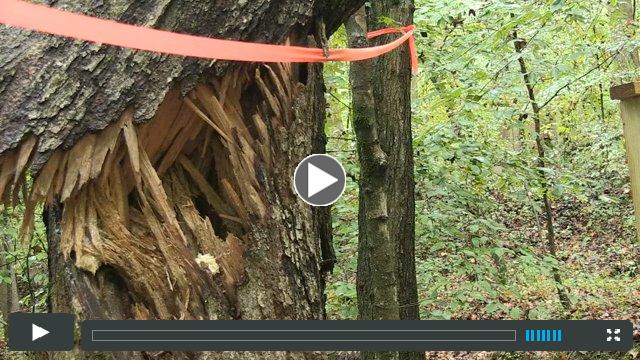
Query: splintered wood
{"x": 151, "y": 200}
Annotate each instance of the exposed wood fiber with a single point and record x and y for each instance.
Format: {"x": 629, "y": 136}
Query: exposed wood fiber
{"x": 129, "y": 192}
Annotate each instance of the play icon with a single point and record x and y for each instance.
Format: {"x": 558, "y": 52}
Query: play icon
{"x": 37, "y": 332}
{"x": 319, "y": 180}
{"x": 41, "y": 332}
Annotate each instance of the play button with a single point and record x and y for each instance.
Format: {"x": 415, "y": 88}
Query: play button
{"x": 37, "y": 332}
{"x": 319, "y": 180}
{"x": 41, "y": 332}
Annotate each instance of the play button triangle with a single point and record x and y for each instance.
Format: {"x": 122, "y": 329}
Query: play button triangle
{"x": 318, "y": 180}
{"x": 37, "y": 332}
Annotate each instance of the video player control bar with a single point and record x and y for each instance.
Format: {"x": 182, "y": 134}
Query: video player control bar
{"x": 285, "y": 335}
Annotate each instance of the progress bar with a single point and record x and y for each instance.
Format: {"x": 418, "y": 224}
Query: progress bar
{"x": 303, "y": 335}
{"x": 282, "y": 335}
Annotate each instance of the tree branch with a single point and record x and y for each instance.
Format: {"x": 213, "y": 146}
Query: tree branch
{"x": 571, "y": 82}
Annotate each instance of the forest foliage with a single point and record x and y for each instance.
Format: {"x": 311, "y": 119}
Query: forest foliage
{"x": 480, "y": 234}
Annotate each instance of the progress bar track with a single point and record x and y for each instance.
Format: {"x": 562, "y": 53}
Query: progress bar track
{"x": 286, "y": 335}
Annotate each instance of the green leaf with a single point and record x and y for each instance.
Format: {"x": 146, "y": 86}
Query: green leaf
{"x": 515, "y": 313}
{"x": 557, "y": 5}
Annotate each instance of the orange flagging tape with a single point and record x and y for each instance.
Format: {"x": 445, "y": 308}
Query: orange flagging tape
{"x": 82, "y": 27}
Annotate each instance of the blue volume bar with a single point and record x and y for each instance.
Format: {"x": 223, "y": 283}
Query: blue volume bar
{"x": 543, "y": 335}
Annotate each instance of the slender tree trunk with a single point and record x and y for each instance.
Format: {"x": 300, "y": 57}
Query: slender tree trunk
{"x": 601, "y": 91}
{"x": 600, "y": 87}
{"x": 629, "y": 59}
{"x": 9, "y": 295}
{"x": 376, "y": 280}
{"x": 5, "y": 287}
{"x": 519, "y": 45}
{"x": 392, "y": 95}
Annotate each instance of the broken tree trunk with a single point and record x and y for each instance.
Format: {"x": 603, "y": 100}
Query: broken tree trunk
{"x": 167, "y": 181}
{"x": 629, "y": 96}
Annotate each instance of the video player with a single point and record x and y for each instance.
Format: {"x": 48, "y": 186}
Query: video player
{"x": 311, "y": 180}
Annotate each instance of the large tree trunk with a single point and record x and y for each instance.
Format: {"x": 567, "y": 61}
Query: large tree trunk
{"x": 168, "y": 180}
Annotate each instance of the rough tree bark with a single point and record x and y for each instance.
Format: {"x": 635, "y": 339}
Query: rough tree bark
{"x": 321, "y": 215}
{"x": 167, "y": 180}
{"x": 376, "y": 280}
{"x": 392, "y": 94}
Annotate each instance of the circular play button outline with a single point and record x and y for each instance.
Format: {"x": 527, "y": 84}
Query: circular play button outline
{"x": 319, "y": 180}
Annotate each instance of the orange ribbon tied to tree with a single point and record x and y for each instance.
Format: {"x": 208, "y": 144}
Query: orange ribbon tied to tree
{"x": 83, "y": 27}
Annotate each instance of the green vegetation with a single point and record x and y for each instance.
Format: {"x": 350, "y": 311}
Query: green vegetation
{"x": 481, "y": 247}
